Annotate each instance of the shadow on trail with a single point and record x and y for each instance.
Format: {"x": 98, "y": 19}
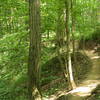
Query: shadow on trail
{"x": 87, "y": 86}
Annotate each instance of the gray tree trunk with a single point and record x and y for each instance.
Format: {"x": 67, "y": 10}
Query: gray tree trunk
{"x": 69, "y": 62}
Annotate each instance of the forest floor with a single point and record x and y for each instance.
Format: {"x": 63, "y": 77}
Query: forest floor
{"x": 85, "y": 88}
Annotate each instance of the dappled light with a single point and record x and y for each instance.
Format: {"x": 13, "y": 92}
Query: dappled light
{"x": 49, "y": 49}
{"x": 85, "y": 90}
{"x": 95, "y": 57}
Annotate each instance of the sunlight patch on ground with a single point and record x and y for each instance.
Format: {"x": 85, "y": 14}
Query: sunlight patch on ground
{"x": 85, "y": 90}
{"x": 81, "y": 91}
{"x": 88, "y": 85}
{"x": 95, "y": 57}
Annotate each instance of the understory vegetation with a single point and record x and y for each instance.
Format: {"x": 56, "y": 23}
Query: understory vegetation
{"x": 41, "y": 42}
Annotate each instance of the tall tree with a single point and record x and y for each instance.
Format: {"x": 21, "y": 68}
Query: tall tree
{"x": 34, "y": 50}
{"x": 73, "y": 25}
{"x": 68, "y": 34}
{"x": 73, "y": 29}
{"x": 64, "y": 40}
{"x": 60, "y": 35}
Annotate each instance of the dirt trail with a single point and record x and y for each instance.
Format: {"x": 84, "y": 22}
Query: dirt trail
{"x": 95, "y": 71}
{"x": 85, "y": 88}
{"x": 92, "y": 80}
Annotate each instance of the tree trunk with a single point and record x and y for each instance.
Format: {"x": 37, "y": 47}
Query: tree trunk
{"x": 69, "y": 63}
{"x": 60, "y": 37}
{"x": 34, "y": 50}
{"x": 73, "y": 18}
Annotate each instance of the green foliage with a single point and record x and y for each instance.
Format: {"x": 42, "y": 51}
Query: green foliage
{"x": 13, "y": 64}
{"x": 51, "y": 70}
{"x": 14, "y": 40}
{"x": 13, "y": 49}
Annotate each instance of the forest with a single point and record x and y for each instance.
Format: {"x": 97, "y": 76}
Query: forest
{"x": 49, "y": 49}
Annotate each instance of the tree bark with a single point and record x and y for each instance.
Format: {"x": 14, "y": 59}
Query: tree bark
{"x": 34, "y": 50}
{"x": 60, "y": 37}
{"x": 69, "y": 63}
{"x": 73, "y": 18}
